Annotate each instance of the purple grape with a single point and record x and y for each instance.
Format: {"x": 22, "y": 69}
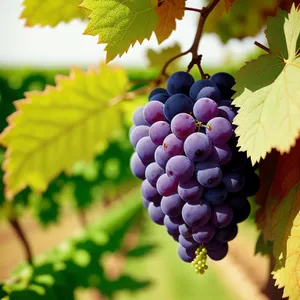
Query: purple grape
{"x": 159, "y": 131}
{"x": 138, "y": 117}
{"x": 198, "y": 86}
{"x": 236, "y": 201}
{"x": 218, "y": 254}
{"x": 154, "y": 112}
{"x": 153, "y": 172}
{"x": 145, "y": 149}
{"x": 165, "y": 186}
{"x": 179, "y": 168}
{"x": 137, "y": 167}
{"x": 174, "y": 235}
{"x": 203, "y": 234}
{"x": 252, "y": 184}
{"x": 185, "y": 231}
{"x": 215, "y": 195}
{"x": 196, "y": 215}
{"x": 221, "y": 154}
{"x": 213, "y": 244}
{"x": 186, "y": 255}
{"x": 172, "y": 145}
{"x": 172, "y": 205}
{"x": 183, "y": 125}
{"x": 137, "y": 133}
{"x": 219, "y": 131}
{"x": 177, "y": 220}
{"x": 157, "y": 91}
{"x": 209, "y": 174}
{"x": 131, "y": 128}
{"x": 226, "y": 112}
{"x": 209, "y": 92}
{"x": 180, "y": 82}
{"x": 156, "y": 214}
{"x": 197, "y": 147}
{"x": 224, "y": 82}
{"x": 160, "y": 97}
{"x": 205, "y": 109}
{"x": 161, "y": 157}
{"x": 233, "y": 181}
{"x": 221, "y": 215}
{"x": 150, "y": 193}
{"x": 241, "y": 214}
{"x": 227, "y": 234}
{"x": 190, "y": 191}
{"x": 170, "y": 225}
{"x": 187, "y": 243}
{"x": 177, "y": 104}
{"x": 145, "y": 202}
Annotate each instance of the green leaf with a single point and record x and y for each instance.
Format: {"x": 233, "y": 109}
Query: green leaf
{"x": 51, "y": 130}
{"x": 47, "y": 12}
{"x": 263, "y": 247}
{"x": 268, "y": 92}
{"x": 120, "y": 24}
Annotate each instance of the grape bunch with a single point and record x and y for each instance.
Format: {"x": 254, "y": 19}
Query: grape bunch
{"x": 195, "y": 181}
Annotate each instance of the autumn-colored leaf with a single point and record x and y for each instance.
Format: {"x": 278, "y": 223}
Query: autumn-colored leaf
{"x": 228, "y": 4}
{"x": 168, "y": 11}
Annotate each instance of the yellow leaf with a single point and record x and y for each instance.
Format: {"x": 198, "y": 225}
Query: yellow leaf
{"x": 168, "y": 11}
{"x": 49, "y": 12}
{"x": 51, "y": 130}
{"x": 268, "y": 92}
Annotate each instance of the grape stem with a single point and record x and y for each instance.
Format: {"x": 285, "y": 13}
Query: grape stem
{"x": 196, "y": 59}
{"x": 259, "y": 45}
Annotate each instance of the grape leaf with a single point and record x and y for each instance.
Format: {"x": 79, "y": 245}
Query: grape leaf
{"x": 278, "y": 216}
{"x": 48, "y": 12}
{"x": 228, "y": 4}
{"x": 120, "y": 24}
{"x": 158, "y": 59}
{"x": 51, "y": 130}
{"x": 168, "y": 11}
{"x": 268, "y": 92}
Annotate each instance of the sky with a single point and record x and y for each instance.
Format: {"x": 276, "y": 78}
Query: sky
{"x": 65, "y": 45}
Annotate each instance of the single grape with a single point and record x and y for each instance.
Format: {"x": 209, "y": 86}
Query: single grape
{"x": 209, "y": 174}
{"x": 137, "y": 167}
{"x": 183, "y": 125}
{"x": 221, "y": 215}
{"x": 236, "y": 200}
{"x": 172, "y": 205}
{"x": 160, "y": 97}
{"x": 145, "y": 202}
{"x": 138, "y": 117}
{"x": 154, "y": 112}
{"x": 224, "y": 82}
{"x": 227, "y": 234}
{"x": 165, "y": 186}
{"x": 171, "y": 226}
{"x": 190, "y": 191}
{"x": 172, "y": 145}
{"x": 197, "y": 147}
{"x": 233, "y": 181}
{"x": 203, "y": 234}
{"x": 137, "y": 133}
{"x": 174, "y": 235}
{"x": 159, "y": 131}
{"x": 219, "y": 130}
{"x": 177, "y": 220}
{"x": 215, "y": 195}
{"x": 198, "y": 86}
{"x": 213, "y": 244}
{"x": 176, "y": 104}
{"x": 218, "y": 254}
{"x": 210, "y": 92}
{"x": 197, "y": 214}
{"x": 186, "y": 255}
{"x": 252, "y": 184}
{"x": 180, "y": 82}
{"x": 205, "y": 109}
{"x": 156, "y": 214}
{"x": 157, "y": 91}
{"x": 189, "y": 243}
{"x": 161, "y": 157}
{"x": 150, "y": 193}
{"x": 227, "y": 113}
{"x": 179, "y": 168}
{"x": 153, "y": 172}
{"x": 241, "y": 214}
{"x": 221, "y": 154}
{"x": 145, "y": 149}
{"x": 185, "y": 231}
